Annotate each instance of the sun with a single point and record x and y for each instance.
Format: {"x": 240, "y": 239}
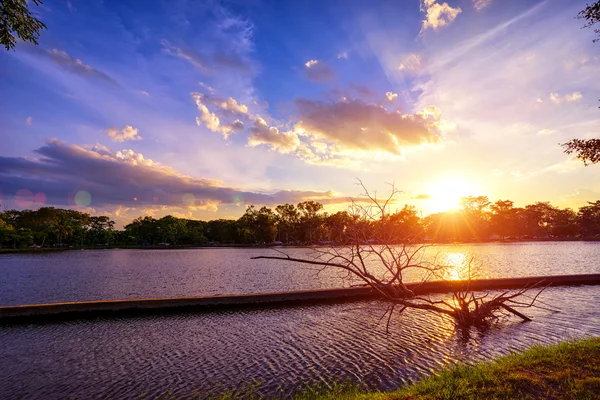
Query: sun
{"x": 446, "y": 194}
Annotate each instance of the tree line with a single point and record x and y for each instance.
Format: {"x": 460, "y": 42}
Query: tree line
{"x": 477, "y": 219}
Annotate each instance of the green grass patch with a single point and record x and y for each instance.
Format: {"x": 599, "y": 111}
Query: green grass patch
{"x": 569, "y": 370}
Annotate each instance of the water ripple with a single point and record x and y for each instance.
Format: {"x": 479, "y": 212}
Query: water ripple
{"x": 188, "y": 354}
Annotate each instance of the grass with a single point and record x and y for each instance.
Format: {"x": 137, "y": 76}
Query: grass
{"x": 569, "y": 370}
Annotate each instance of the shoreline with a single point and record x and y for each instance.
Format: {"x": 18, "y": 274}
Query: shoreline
{"x": 257, "y": 246}
{"x": 566, "y": 370}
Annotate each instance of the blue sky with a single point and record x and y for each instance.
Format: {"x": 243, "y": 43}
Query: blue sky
{"x": 199, "y": 108}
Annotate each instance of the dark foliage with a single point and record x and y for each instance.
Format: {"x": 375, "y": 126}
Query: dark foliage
{"x": 15, "y": 18}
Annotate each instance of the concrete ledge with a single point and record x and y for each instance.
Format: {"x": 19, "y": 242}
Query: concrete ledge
{"x": 94, "y": 309}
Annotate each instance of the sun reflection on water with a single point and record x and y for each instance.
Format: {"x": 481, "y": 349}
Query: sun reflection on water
{"x": 461, "y": 265}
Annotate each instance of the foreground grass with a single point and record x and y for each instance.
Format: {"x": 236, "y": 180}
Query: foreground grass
{"x": 569, "y": 370}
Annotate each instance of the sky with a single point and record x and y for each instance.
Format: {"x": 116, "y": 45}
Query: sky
{"x": 198, "y": 109}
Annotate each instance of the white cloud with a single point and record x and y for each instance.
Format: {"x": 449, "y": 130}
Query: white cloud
{"x": 392, "y": 97}
{"x": 29, "y": 121}
{"x": 343, "y": 54}
{"x": 232, "y": 105}
{"x": 438, "y": 15}
{"x": 573, "y": 96}
{"x": 346, "y": 131}
{"x": 481, "y": 4}
{"x": 228, "y": 108}
{"x": 126, "y": 134}
{"x": 410, "y": 63}
{"x": 543, "y": 132}
{"x": 262, "y": 133}
{"x": 556, "y": 98}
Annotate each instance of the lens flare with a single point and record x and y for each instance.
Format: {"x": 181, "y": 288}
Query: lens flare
{"x": 24, "y": 198}
{"x": 83, "y": 198}
{"x": 40, "y": 198}
{"x": 188, "y": 199}
{"x": 237, "y": 199}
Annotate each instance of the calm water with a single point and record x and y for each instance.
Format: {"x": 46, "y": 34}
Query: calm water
{"x": 118, "y": 274}
{"x": 188, "y": 354}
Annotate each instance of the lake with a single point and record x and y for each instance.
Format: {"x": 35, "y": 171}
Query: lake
{"x": 283, "y": 348}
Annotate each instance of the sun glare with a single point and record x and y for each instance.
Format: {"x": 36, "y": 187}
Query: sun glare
{"x": 446, "y": 194}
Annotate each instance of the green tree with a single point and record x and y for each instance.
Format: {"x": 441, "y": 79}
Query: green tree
{"x": 337, "y": 225}
{"x": 310, "y": 221}
{"x": 403, "y": 225}
{"x": 591, "y": 13}
{"x": 503, "y": 218}
{"x": 587, "y": 150}
{"x": 288, "y": 219}
{"x": 259, "y": 226}
{"x": 15, "y": 18}
{"x": 564, "y": 223}
{"x": 589, "y": 219}
{"x": 475, "y": 217}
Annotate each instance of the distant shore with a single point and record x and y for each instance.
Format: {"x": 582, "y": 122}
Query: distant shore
{"x": 34, "y": 250}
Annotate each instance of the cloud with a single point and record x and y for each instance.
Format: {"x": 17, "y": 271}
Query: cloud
{"x": 544, "y": 132}
{"x": 410, "y": 63}
{"x": 318, "y": 71}
{"x": 362, "y": 91}
{"x": 422, "y": 197}
{"x": 339, "y": 132}
{"x": 74, "y": 65}
{"x": 353, "y": 124}
{"x": 126, "y": 134}
{"x": 231, "y": 105}
{"x": 481, "y": 4}
{"x": 556, "y": 98}
{"x": 283, "y": 142}
{"x": 438, "y": 15}
{"x": 29, "y": 121}
{"x": 573, "y": 96}
{"x": 392, "y": 97}
{"x": 343, "y": 54}
{"x": 209, "y": 63}
{"x": 127, "y": 179}
{"x": 583, "y": 195}
{"x": 346, "y": 131}
{"x": 227, "y": 108}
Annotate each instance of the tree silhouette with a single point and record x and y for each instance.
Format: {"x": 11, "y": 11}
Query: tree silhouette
{"x": 15, "y": 18}
{"x": 588, "y": 150}
{"x": 591, "y": 13}
{"x": 379, "y": 255}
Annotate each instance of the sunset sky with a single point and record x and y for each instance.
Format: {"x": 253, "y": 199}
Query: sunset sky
{"x": 199, "y": 108}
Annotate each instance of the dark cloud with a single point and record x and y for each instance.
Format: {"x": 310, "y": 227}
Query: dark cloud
{"x": 126, "y": 179}
{"x": 362, "y": 91}
{"x": 73, "y": 65}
